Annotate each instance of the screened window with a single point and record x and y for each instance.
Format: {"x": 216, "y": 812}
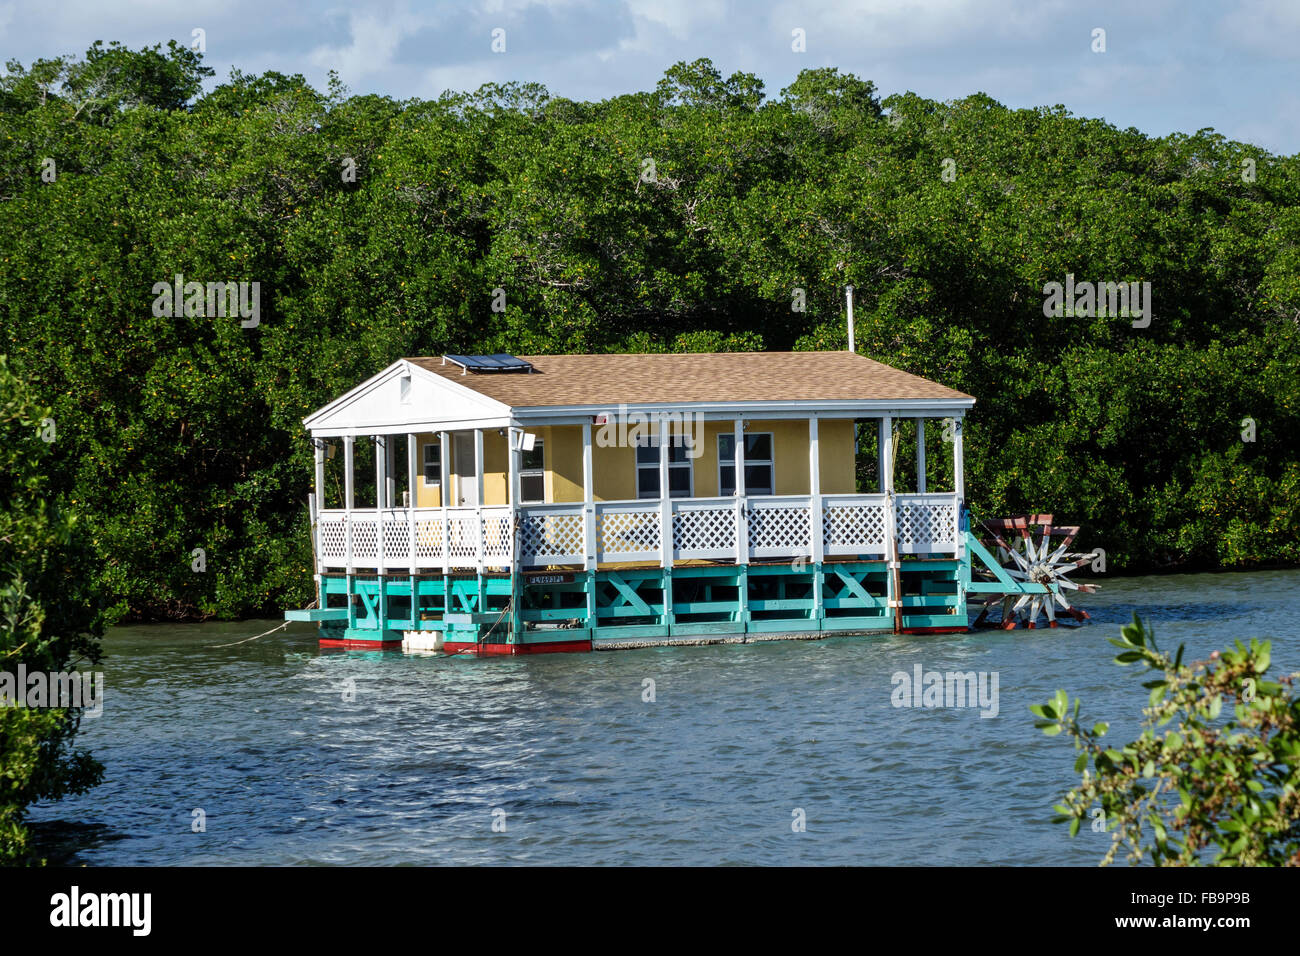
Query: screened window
{"x": 433, "y": 463}
{"x": 532, "y": 475}
{"x": 760, "y": 474}
{"x": 647, "y": 468}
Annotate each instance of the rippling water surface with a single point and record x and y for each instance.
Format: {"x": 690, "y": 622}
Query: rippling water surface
{"x": 295, "y": 755}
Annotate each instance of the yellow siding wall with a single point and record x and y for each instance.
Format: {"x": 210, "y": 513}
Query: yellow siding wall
{"x": 494, "y": 470}
{"x": 495, "y": 490}
{"x": 563, "y": 459}
{"x": 835, "y": 439}
{"x": 789, "y": 456}
{"x": 426, "y": 496}
{"x": 613, "y": 472}
{"x": 614, "y": 469}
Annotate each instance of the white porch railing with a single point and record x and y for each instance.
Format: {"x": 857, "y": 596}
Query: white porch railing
{"x": 926, "y": 524}
{"x": 552, "y": 534}
{"x": 436, "y": 539}
{"x": 704, "y": 528}
{"x": 855, "y": 524}
{"x": 779, "y": 527}
{"x": 626, "y": 531}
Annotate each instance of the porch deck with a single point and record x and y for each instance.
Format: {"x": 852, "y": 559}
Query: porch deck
{"x": 665, "y": 532}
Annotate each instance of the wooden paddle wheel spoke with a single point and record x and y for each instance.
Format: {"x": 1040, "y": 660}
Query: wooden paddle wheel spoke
{"x": 1034, "y": 562}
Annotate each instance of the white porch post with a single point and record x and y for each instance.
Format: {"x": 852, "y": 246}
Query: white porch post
{"x": 478, "y": 496}
{"x": 349, "y": 486}
{"x": 381, "y": 492}
{"x": 882, "y": 438}
{"x": 381, "y": 483}
{"x": 316, "y": 503}
{"x": 886, "y": 454}
{"x": 412, "y": 453}
{"x": 319, "y": 446}
{"x": 665, "y": 499}
{"x": 390, "y": 471}
{"x": 958, "y": 466}
{"x": 742, "y": 523}
{"x": 887, "y": 425}
{"x": 444, "y": 491}
{"x": 514, "y": 436}
{"x": 815, "y": 490}
{"x": 588, "y": 500}
{"x": 589, "y": 522}
{"x": 959, "y": 483}
{"x": 920, "y": 456}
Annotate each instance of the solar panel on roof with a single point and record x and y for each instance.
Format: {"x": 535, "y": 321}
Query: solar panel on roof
{"x": 499, "y": 362}
{"x": 509, "y": 361}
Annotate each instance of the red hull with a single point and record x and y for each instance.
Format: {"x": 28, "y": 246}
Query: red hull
{"x": 500, "y": 650}
{"x": 359, "y": 645}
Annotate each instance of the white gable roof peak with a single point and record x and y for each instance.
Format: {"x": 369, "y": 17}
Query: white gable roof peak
{"x": 404, "y": 397}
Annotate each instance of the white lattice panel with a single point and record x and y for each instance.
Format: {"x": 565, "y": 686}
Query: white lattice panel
{"x": 630, "y": 531}
{"x": 628, "y": 534}
{"x": 551, "y": 538}
{"x": 704, "y": 531}
{"x": 778, "y": 530}
{"x": 496, "y": 539}
{"x": 428, "y": 541}
{"x": 397, "y": 539}
{"x": 332, "y": 538}
{"x": 365, "y": 539}
{"x": 926, "y": 526}
{"x": 462, "y": 540}
{"x": 854, "y": 527}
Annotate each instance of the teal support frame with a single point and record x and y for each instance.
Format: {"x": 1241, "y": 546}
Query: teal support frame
{"x": 637, "y": 605}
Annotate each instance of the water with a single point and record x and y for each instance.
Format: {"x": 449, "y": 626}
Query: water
{"x": 259, "y": 737}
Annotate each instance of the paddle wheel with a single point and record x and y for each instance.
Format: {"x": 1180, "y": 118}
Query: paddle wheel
{"x": 1032, "y": 577}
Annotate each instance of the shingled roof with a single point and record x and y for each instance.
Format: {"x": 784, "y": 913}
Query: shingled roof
{"x": 695, "y": 377}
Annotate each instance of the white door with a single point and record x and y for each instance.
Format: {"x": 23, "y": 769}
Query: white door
{"x": 463, "y": 470}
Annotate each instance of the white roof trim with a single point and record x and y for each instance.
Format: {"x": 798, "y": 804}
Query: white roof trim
{"x": 368, "y": 409}
{"x": 914, "y": 407}
{"x": 439, "y": 403}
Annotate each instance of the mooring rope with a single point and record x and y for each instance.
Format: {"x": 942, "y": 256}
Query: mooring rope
{"x": 280, "y": 627}
{"x": 477, "y": 647}
{"x": 479, "y": 642}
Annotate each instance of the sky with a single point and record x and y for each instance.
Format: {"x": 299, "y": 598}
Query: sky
{"x": 1167, "y": 65}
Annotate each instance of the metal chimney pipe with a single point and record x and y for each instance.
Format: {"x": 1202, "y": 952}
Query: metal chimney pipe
{"x": 848, "y": 289}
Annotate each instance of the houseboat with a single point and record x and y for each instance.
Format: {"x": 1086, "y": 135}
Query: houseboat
{"x": 514, "y": 505}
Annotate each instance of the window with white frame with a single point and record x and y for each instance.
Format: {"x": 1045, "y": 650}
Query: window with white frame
{"x": 760, "y": 470}
{"x": 647, "y": 467}
{"x": 433, "y": 464}
{"x": 532, "y": 474}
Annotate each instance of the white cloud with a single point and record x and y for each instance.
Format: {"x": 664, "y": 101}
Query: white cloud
{"x": 1270, "y": 27}
{"x": 682, "y": 18}
{"x": 374, "y": 41}
{"x": 1170, "y": 64}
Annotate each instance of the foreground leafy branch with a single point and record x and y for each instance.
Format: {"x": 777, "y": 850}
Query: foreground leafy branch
{"x": 49, "y": 621}
{"x": 1226, "y": 780}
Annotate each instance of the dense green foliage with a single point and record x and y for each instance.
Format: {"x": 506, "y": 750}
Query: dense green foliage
{"x": 1220, "y": 786}
{"x": 683, "y": 218}
{"x": 48, "y": 622}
